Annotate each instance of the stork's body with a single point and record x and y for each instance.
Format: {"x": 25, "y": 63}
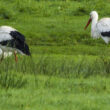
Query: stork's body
{"x": 12, "y": 41}
{"x": 99, "y": 28}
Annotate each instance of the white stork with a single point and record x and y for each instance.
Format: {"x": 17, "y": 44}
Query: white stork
{"x": 99, "y": 28}
{"x": 12, "y": 41}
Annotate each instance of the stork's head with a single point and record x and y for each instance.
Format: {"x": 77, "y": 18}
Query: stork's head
{"x": 93, "y": 15}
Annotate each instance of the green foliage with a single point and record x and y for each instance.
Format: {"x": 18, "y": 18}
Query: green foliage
{"x": 24, "y": 65}
{"x": 59, "y": 65}
{"x": 12, "y": 80}
{"x": 56, "y": 93}
{"x": 68, "y": 66}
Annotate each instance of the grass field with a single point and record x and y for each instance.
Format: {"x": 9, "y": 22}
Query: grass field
{"x": 68, "y": 70}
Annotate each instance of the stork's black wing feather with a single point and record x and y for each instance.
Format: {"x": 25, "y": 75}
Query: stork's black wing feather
{"x": 105, "y": 34}
{"x": 17, "y": 36}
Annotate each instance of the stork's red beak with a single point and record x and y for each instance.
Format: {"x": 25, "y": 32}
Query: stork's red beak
{"x": 88, "y": 23}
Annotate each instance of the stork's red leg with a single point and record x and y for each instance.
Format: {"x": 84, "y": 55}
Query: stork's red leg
{"x": 16, "y": 59}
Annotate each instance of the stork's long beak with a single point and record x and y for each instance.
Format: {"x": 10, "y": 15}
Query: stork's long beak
{"x": 88, "y": 23}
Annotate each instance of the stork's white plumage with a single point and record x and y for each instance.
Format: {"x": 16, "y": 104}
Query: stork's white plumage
{"x": 99, "y": 28}
{"x": 12, "y": 41}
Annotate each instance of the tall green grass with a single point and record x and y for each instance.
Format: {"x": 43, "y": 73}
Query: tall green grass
{"x": 69, "y": 66}
{"x": 58, "y": 65}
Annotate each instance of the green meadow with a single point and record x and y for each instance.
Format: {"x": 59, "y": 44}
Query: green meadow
{"x": 68, "y": 70}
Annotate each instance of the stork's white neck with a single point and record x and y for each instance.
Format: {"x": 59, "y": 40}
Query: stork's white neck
{"x": 94, "y": 22}
{"x": 94, "y": 32}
